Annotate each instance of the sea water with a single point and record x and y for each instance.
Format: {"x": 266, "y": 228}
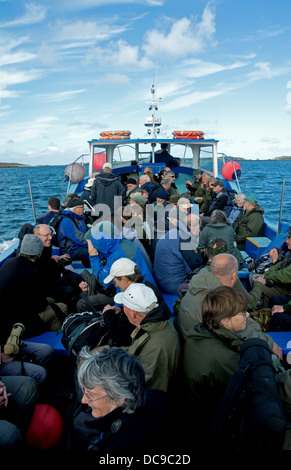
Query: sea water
{"x": 263, "y": 179}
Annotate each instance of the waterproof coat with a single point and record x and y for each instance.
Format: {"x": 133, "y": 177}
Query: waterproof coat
{"x": 221, "y": 201}
{"x": 190, "y": 309}
{"x": 170, "y": 264}
{"x": 157, "y": 346}
{"x": 71, "y": 232}
{"x": 249, "y": 224}
{"x": 223, "y": 231}
{"x": 105, "y": 187}
{"x": 280, "y": 272}
{"x": 110, "y": 250}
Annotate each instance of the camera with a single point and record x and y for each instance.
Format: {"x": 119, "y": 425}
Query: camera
{"x": 12, "y": 344}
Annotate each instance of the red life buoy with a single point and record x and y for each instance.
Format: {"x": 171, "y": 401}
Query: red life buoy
{"x": 188, "y": 135}
{"x": 229, "y": 169}
{"x": 114, "y": 137}
{"x": 98, "y": 161}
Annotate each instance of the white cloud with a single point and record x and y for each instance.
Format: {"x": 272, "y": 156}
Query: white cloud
{"x": 119, "y": 54}
{"x": 34, "y": 14}
{"x": 198, "y": 68}
{"x": 8, "y": 59}
{"x": 61, "y": 96}
{"x": 184, "y": 37}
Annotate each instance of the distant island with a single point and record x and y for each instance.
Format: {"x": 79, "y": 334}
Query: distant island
{"x": 15, "y": 165}
{"x": 11, "y": 165}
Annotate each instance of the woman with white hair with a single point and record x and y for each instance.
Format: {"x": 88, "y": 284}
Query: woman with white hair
{"x": 118, "y": 412}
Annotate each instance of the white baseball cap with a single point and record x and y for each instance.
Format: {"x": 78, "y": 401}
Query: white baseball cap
{"x": 120, "y": 267}
{"x": 138, "y": 297}
{"x": 184, "y": 202}
{"x": 107, "y": 165}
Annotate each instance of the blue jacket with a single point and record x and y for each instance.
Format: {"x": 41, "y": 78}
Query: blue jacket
{"x": 111, "y": 249}
{"x": 71, "y": 232}
{"x": 170, "y": 266}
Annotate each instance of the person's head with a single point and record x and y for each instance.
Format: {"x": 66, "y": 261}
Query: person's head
{"x": 225, "y": 307}
{"x": 164, "y": 146}
{"x": 111, "y": 378}
{"x": 144, "y": 179}
{"x": 148, "y": 171}
{"x": 131, "y": 184}
{"x": 184, "y": 205}
{"x": 219, "y": 217}
{"x": 54, "y": 204}
{"x": 215, "y": 247}
{"x": 76, "y": 206}
{"x": 123, "y": 272}
{"x": 288, "y": 238}
{"x": 162, "y": 196}
{"x": 205, "y": 178}
{"x": 31, "y": 247}
{"x": 197, "y": 174}
{"x": 250, "y": 203}
{"x": 170, "y": 174}
{"x": 239, "y": 199}
{"x": 107, "y": 168}
{"x": 217, "y": 186}
{"x": 225, "y": 268}
{"x": 166, "y": 183}
{"x": 137, "y": 300}
{"x": 44, "y": 232}
{"x": 144, "y": 194}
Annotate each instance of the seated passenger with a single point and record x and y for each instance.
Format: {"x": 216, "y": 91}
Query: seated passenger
{"x": 119, "y": 414}
{"x": 54, "y": 206}
{"x": 177, "y": 253}
{"x": 154, "y": 341}
{"x": 192, "y": 187}
{"x": 22, "y": 294}
{"x": 220, "y": 200}
{"x": 237, "y": 209}
{"x": 71, "y": 233}
{"x": 249, "y": 223}
{"x": 219, "y": 227}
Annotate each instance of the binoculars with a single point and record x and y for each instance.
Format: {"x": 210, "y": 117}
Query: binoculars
{"x": 12, "y": 344}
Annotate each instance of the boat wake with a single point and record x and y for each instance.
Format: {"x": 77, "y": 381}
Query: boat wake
{"x": 6, "y": 244}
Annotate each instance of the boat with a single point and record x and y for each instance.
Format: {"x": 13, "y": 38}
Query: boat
{"x": 130, "y": 155}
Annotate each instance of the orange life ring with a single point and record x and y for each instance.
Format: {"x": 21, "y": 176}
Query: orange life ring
{"x": 189, "y": 137}
{"x": 188, "y": 133}
{"x": 114, "y": 133}
{"x": 114, "y": 137}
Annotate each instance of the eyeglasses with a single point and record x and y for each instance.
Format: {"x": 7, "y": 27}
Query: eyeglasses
{"x": 89, "y": 399}
{"x": 243, "y": 314}
{"x": 45, "y": 235}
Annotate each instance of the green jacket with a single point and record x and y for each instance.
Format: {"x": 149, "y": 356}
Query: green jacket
{"x": 157, "y": 346}
{"x": 208, "y": 364}
{"x": 249, "y": 224}
{"x": 223, "y": 231}
{"x": 189, "y": 313}
{"x": 280, "y": 272}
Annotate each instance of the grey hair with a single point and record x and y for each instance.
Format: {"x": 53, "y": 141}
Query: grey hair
{"x": 166, "y": 181}
{"x": 219, "y": 217}
{"x": 118, "y": 373}
{"x": 240, "y": 196}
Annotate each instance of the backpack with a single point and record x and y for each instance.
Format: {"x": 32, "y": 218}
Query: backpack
{"x": 83, "y": 329}
{"x": 55, "y": 223}
{"x": 250, "y": 415}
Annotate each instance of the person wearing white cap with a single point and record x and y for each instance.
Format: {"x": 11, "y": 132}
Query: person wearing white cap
{"x": 154, "y": 340}
{"x": 106, "y": 187}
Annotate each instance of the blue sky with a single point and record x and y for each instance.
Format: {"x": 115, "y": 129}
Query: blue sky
{"x": 72, "y": 68}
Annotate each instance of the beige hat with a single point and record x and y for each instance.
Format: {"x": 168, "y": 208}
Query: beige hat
{"x": 184, "y": 202}
{"x": 107, "y": 165}
{"x": 89, "y": 183}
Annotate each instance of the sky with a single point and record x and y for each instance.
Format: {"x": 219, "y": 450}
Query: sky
{"x": 70, "y": 69}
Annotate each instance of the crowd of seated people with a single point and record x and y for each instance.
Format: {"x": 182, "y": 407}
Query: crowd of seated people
{"x": 145, "y": 250}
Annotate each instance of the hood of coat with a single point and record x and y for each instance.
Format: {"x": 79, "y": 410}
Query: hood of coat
{"x": 201, "y": 332}
{"x": 73, "y": 215}
{"x": 107, "y": 178}
{"x": 203, "y": 280}
{"x": 104, "y": 244}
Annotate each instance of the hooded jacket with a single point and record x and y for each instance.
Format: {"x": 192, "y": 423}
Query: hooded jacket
{"x": 157, "y": 346}
{"x": 110, "y": 250}
{"x": 190, "y": 309}
{"x": 105, "y": 187}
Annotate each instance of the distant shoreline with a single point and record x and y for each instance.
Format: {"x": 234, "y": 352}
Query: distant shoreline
{"x": 19, "y": 165}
